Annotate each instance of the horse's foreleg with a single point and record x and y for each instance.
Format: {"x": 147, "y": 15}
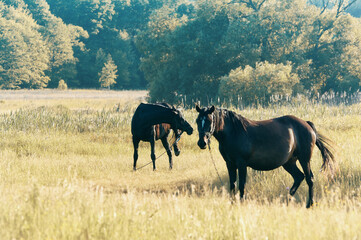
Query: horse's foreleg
{"x": 166, "y": 146}
{"x": 175, "y": 144}
{"x": 242, "y": 175}
{"x": 297, "y": 175}
{"x": 232, "y": 172}
{"x": 135, "y": 155}
{"x": 176, "y": 149}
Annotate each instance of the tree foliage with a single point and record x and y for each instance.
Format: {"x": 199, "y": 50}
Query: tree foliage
{"x": 317, "y": 49}
{"x": 258, "y": 84}
{"x": 183, "y": 50}
{"x": 65, "y": 38}
{"x": 21, "y": 66}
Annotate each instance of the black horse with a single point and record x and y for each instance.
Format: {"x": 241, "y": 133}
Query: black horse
{"x": 151, "y": 122}
{"x": 263, "y": 145}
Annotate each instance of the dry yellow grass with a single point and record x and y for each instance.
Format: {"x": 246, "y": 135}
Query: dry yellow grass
{"x": 66, "y": 173}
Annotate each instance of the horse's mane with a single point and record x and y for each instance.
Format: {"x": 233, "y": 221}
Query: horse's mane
{"x": 238, "y": 122}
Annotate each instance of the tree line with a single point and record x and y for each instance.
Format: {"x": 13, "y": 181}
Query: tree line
{"x": 183, "y": 50}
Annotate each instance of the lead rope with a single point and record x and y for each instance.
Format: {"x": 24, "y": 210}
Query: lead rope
{"x": 214, "y": 164}
{"x": 170, "y": 148}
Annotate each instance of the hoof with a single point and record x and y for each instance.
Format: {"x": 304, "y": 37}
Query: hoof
{"x": 293, "y": 191}
{"x": 309, "y": 204}
{"x": 176, "y": 152}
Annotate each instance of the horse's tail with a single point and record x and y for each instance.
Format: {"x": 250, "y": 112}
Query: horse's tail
{"x": 324, "y": 144}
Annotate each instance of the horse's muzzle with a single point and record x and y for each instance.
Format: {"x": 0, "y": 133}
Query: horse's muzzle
{"x": 189, "y": 131}
{"x": 202, "y": 142}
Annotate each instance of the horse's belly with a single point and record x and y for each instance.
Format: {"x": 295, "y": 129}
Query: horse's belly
{"x": 266, "y": 163}
{"x": 263, "y": 167}
{"x": 271, "y": 154}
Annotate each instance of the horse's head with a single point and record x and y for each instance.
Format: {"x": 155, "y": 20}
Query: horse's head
{"x": 205, "y": 124}
{"x": 181, "y": 123}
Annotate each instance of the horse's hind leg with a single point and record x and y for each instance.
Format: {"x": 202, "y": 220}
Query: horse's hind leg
{"x": 152, "y": 154}
{"x": 297, "y": 175}
{"x": 166, "y": 146}
{"x": 135, "y": 155}
{"x": 306, "y": 166}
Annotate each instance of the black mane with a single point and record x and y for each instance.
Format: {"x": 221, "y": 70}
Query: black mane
{"x": 238, "y": 122}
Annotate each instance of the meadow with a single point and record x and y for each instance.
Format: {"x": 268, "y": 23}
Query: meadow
{"x": 66, "y": 173}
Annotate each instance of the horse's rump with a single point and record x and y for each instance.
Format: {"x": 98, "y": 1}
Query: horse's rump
{"x": 140, "y": 121}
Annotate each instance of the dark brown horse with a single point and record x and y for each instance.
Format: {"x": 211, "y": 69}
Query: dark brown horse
{"x": 152, "y": 122}
{"x": 263, "y": 145}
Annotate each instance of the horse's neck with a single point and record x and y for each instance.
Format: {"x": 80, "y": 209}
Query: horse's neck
{"x": 219, "y": 125}
{"x": 226, "y": 127}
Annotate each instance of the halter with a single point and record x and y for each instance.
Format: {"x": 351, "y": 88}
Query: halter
{"x": 213, "y": 128}
{"x": 176, "y": 127}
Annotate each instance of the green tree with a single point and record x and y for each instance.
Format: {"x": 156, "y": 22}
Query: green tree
{"x": 182, "y": 52}
{"x": 112, "y": 26}
{"x": 333, "y": 35}
{"x": 24, "y": 57}
{"x": 183, "y": 49}
{"x": 186, "y": 53}
{"x": 61, "y": 41}
{"x": 108, "y": 74}
{"x": 51, "y": 42}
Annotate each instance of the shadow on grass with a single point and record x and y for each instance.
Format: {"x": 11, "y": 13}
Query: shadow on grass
{"x": 190, "y": 187}
{"x": 262, "y": 187}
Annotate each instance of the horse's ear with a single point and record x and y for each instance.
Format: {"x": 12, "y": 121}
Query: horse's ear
{"x": 175, "y": 111}
{"x": 211, "y": 110}
{"x": 179, "y": 107}
{"x": 198, "y": 108}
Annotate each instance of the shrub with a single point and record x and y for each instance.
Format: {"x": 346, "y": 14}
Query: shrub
{"x": 257, "y": 85}
{"x": 62, "y": 85}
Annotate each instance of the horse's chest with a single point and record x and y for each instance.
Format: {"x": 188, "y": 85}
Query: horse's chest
{"x": 237, "y": 148}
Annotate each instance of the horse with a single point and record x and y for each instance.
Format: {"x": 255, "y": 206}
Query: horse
{"x": 152, "y": 122}
{"x": 263, "y": 145}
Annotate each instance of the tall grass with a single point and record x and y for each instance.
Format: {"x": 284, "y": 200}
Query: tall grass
{"x": 66, "y": 173}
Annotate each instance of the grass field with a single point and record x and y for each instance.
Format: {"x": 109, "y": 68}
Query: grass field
{"x": 66, "y": 173}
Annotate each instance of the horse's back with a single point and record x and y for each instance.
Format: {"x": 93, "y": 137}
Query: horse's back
{"x": 303, "y": 131}
{"x": 277, "y": 140}
{"x": 301, "y": 127}
{"x": 140, "y": 127}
